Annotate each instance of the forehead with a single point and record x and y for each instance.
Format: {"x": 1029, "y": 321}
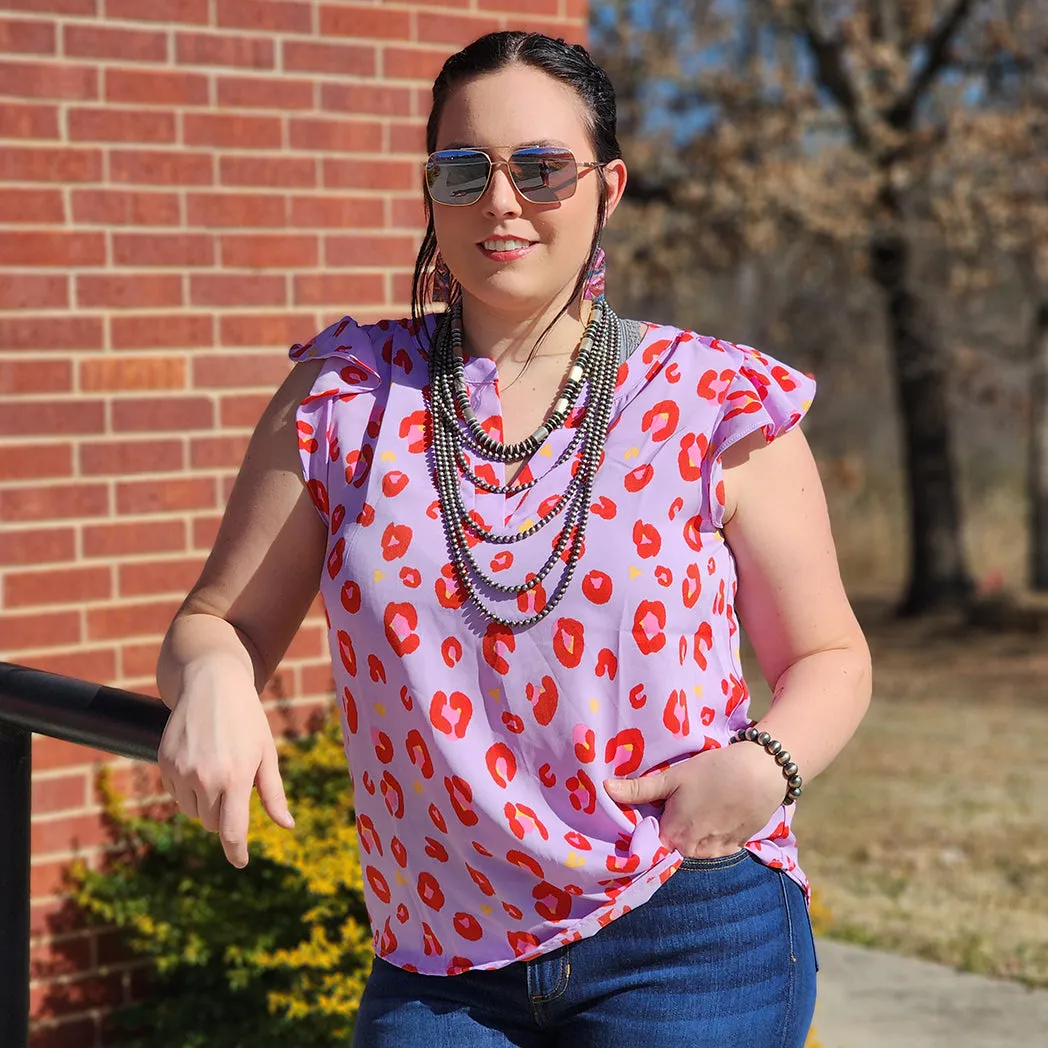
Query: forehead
{"x": 516, "y": 105}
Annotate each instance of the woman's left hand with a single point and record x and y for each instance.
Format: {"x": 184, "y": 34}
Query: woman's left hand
{"x": 716, "y": 801}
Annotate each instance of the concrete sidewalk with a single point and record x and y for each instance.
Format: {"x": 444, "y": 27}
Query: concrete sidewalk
{"x": 869, "y": 999}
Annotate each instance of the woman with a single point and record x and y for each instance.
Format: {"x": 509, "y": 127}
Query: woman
{"x": 533, "y": 525}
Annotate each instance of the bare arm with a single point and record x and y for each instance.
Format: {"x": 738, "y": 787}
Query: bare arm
{"x": 234, "y": 627}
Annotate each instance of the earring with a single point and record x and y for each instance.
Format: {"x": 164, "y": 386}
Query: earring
{"x": 442, "y": 278}
{"x": 594, "y": 290}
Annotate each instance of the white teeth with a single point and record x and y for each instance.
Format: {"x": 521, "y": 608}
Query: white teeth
{"x": 504, "y": 245}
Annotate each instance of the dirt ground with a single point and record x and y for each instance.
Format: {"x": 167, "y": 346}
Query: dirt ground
{"x": 928, "y": 836}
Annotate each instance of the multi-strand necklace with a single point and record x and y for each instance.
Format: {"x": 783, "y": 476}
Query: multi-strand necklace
{"x": 458, "y": 432}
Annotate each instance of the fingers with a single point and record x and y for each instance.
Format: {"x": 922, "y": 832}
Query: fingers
{"x": 232, "y": 823}
{"x": 271, "y": 789}
{"x": 644, "y": 790}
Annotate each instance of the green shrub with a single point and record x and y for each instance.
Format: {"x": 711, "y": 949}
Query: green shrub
{"x": 273, "y": 956}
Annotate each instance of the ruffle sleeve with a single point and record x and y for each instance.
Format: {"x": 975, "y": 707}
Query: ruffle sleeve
{"x": 350, "y": 367}
{"x": 760, "y": 393}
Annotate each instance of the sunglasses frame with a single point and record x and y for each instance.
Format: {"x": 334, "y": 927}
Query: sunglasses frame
{"x": 581, "y": 166}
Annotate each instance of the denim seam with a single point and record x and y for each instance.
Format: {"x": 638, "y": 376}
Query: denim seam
{"x": 790, "y": 992}
{"x": 560, "y": 989}
{"x": 715, "y": 864}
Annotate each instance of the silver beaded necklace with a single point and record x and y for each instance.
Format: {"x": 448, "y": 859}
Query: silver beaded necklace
{"x": 456, "y": 430}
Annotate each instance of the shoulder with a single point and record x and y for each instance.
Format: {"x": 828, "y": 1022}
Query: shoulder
{"x": 348, "y": 337}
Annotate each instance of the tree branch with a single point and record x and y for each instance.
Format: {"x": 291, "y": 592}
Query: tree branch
{"x": 937, "y": 50}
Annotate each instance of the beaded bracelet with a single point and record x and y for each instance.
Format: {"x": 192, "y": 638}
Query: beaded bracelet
{"x": 782, "y": 758}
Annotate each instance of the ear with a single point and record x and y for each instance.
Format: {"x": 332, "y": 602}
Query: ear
{"x": 615, "y": 178}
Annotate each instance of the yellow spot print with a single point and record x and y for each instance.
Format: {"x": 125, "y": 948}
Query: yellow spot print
{"x": 632, "y": 453}
{"x": 634, "y": 572}
{"x": 380, "y": 709}
{"x": 388, "y": 456}
{"x": 418, "y": 787}
{"x": 546, "y": 451}
{"x": 401, "y": 879}
{"x": 495, "y": 693}
{"x": 527, "y": 524}
{"x": 594, "y": 704}
{"x": 698, "y": 691}
{"x": 485, "y": 909}
{"x": 574, "y": 860}
{"x": 379, "y": 575}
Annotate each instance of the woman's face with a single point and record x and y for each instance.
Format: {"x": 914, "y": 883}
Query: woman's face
{"x": 500, "y": 112}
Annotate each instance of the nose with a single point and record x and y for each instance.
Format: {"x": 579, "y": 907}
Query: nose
{"x": 500, "y": 197}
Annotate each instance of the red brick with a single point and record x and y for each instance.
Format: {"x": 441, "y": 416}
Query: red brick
{"x": 272, "y": 330}
{"x": 294, "y": 718}
{"x": 309, "y": 642}
{"x": 121, "y": 125}
{"x": 251, "y": 92}
{"x": 174, "y": 495}
{"x": 278, "y": 16}
{"x": 37, "y": 206}
{"x": 155, "y": 167}
{"x": 35, "y": 333}
{"x": 93, "y": 991}
{"x": 23, "y": 418}
{"x": 128, "y": 539}
{"x": 104, "y": 41}
{"x": 347, "y": 249}
{"x": 156, "y": 86}
{"x": 338, "y": 59}
{"x": 364, "y": 22}
{"x": 170, "y": 331}
{"x": 521, "y": 7}
{"x": 59, "y": 793}
{"x": 414, "y": 63}
{"x": 35, "y": 461}
{"x": 50, "y": 754}
{"x": 239, "y": 371}
{"x": 52, "y": 249}
{"x": 233, "y": 289}
{"x": 408, "y": 212}
{"x": 345, "y": 212}
{"x": 370, "y": 99}
{"x": 113, "y": 948}
{"x": 154, "y": 415}
{"x": 33, "y": 291}
{"x": 577, "y": 10}
{"x": 252, "y": 52}
{"x": 193, "y": 11}
{"x": 134, "y": 779}
{"x": 205, "y": 529}
{"x": 54, "y": 917}
{"x": 225, "y": 452}
{"x": 30, "y": 37}
{"x": 340, "y": 288}
{"x": 65, "y": 956}
{"x": 126, "y": 373}
{"x": 123, "y": 207}
{"x": 402, "y": 284}
{"x": 163, "y": 249}
{"x": 132, "y": 291}
{"x": 97, "y": 664}
{"x": 407, "y": 137}
{"x": 59, "y": 585}
{"x": 37, "y": 546}
{"x": 232, "y": 131}
{"x": 50, "y": 164}
{"x": 37, "y": 80}
{"x": 293, "y": 172}
{"x": 53, "y": 629}
{"x": 40, "y": 375}
{"x": 118, "y": 458}
{"x": 235, "y": 210}
{"x": 348, "y": 136}
{"x": 269, "y": 251}
{"x": 154, "y": 577}
{"x": 572, "y": 33}
{"x": 131, "y": 620}
{"x": 69, "y": 833}
{"x": 316, "y": 680}
{"x": 28, "y": 120}
{"x": 446, "y": 28}
{"x": 58, "y": 7}
{"x": 34, "y": 502}
{"x": 76, "y": 1033}
{"x": 387, "y": 175}
{"x": 243, "y": 411}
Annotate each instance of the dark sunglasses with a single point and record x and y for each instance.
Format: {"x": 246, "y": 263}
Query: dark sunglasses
{"x": 541, "y": 174}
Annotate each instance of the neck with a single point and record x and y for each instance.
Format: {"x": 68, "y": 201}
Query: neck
{"x": 509, "y": 338}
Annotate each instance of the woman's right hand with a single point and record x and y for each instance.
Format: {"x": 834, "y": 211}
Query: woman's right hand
{"x": 217, "y": 745}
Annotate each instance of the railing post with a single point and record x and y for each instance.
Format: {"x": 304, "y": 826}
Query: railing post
{"x": 15, "y": 787}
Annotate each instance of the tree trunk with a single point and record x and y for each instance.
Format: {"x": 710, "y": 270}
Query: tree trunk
{"x": 938, "y": 577}
{"x": 1038, "y": 450}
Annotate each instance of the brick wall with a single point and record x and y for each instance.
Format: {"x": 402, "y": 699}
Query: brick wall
{"x": 188, "y": 187}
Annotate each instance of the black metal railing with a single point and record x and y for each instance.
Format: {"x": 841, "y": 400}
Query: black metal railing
{"x": 119, "y": 722}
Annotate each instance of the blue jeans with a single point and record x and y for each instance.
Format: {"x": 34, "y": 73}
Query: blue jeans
{"x": 721, "y": 956}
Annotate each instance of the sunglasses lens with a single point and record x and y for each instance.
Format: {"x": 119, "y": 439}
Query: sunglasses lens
{"x": 457, "y": 176}
{"x": 544, "y": 176}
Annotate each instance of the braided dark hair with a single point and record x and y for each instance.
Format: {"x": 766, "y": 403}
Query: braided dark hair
{"x": 571, "y": 64}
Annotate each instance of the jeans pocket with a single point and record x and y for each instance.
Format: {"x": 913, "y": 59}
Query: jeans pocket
{"x": 720, "y": 862}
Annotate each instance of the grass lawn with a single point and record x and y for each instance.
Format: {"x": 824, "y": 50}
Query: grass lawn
{"x": 928, "y": 835}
